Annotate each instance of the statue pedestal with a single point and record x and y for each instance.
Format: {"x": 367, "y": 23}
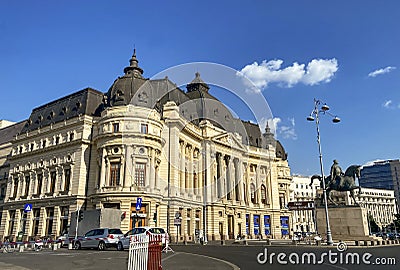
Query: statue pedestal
{"x": 347, "y": 222}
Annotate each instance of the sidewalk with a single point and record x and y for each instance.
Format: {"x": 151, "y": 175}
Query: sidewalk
{"x": 189, "y": 261}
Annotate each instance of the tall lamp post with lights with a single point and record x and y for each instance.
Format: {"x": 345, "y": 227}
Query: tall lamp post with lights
{"x": 322, "y": 108}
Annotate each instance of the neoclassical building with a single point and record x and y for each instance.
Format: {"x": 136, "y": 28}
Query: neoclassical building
{"x": 301, "y": 191}
{"x": 181, "y": 151}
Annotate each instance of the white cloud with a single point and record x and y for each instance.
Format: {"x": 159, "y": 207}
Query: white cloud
{"x": 316, "y": 71}
{"x": 387, "y": 104}
{"x": 285, "y": 130}
{"x": 319, "y": 70}
{"x": 381, "y": 71}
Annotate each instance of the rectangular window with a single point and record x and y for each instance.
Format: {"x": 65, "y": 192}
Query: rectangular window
{"x": 39, "y": 184}
{"x": 57, "y": 140}
{"x": 24, "y": 218}
{"x": 71, "y": 136}
{"x": 67, "y": 180}
{"x": 32, "y": 146}
{"x": 52, "y": 181}
{"x": 64, "y": 220}
{"x": 116, "y": 127}
{"x": 140, "y": 174}
{"x": 11, "y": 222}
{"x": 282, "y": 201}
{"x": 15, "y": 192}
{"x": 43, "y": 143}
{"x": 115, "y": 168}
{"x": 49, "y": 220}
{"x": 27, "y": 185}
{"x": 144, "y": 128}
{"x": 36, "y": 218}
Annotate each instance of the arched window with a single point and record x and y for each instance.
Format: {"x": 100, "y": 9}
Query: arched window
{"x": 263, "y": 194}
{"x": 253, "y": 193}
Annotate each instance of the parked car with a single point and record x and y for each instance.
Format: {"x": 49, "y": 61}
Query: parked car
{"x": 124, "y": 241}
{"x": 63, "y": 240}
{"x": 101, "y": 239}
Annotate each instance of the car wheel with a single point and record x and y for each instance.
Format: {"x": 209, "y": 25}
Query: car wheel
{"x": 101, "y": 246}
{"x": 77, "y": 245}
{"x": 120, "y": 247}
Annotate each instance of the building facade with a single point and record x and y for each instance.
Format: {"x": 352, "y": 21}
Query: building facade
{"x": 8, "y": 130}
{"x": 382, "y": 175}
{"x": 182, "y": 152}
{"x": 301, "y": 191}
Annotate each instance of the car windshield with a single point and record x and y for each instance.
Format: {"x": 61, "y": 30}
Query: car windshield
{"x": 115, "y": 231}
{"x": 90, "y": 233}
{"x": 139, "y": 230}
{"x": 157, "y": 230}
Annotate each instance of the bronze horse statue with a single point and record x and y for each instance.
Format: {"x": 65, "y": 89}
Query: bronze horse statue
{"x": 344, "y": 182}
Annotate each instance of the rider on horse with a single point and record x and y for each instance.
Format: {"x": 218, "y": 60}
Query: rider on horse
{"x": 335, "y": 172}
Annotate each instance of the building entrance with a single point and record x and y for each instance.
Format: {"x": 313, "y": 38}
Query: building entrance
{"x": 231, "y": 234}
{"x": 138, "y": 218}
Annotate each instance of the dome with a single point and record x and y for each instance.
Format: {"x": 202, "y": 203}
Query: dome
{"x": 125, "y": 87}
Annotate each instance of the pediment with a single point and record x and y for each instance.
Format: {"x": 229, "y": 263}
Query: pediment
{"x": 229, "y": 140}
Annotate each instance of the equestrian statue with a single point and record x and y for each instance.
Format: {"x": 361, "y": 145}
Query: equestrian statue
{"x": 337, "y": 180}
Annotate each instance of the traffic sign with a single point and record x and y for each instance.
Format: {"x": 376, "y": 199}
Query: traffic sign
{"x": 177, "y": 221}
{"x": 138, "y": 204}
{"x": 27, "y": 207}
{"x": 302, "y": 205}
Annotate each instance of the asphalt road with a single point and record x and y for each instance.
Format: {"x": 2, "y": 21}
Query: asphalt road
{"x": 193, "y": 257}
{"x": 245, "y": 257}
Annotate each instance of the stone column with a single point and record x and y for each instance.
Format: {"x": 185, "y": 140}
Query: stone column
{"x": 103, "y": 162}
{"x": 190, "y": 169}
{"x": 247, "y": 180}
{"x": 152, "y": 169}
{"x": 220, "y": 181}
{"x": 228, "y": 185}
{"x": 182, "y": 146}
{"x": 258, "y": 185}
{"x": 238, "y": 183}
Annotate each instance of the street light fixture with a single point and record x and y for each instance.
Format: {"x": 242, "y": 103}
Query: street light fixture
{"x": 323, "y": 108}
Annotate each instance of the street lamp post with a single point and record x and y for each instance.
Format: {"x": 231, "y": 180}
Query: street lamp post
{"x": 322, "y": 108}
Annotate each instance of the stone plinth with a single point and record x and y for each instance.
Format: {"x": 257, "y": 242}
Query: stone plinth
{"x": 347, "y": 222}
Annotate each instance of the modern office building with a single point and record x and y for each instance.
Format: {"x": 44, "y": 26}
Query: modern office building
{"x": 382, "y": 175}
{"x": 181, "y": 151}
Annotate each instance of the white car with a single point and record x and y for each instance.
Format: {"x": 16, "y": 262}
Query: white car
{"x": 124, "y": 241}
{"x": 101, "y": 238}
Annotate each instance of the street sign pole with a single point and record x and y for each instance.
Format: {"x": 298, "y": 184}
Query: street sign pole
{"x": 77, "y": 222}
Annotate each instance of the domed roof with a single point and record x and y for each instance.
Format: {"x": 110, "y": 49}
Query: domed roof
{"x": 125, "y": 87}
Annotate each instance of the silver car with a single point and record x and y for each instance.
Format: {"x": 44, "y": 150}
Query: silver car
{"x": 101, "y": 239}
{"x": 123, "y": 242}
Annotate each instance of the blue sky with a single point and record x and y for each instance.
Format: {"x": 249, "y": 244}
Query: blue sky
{"x": 345, "y": 53}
